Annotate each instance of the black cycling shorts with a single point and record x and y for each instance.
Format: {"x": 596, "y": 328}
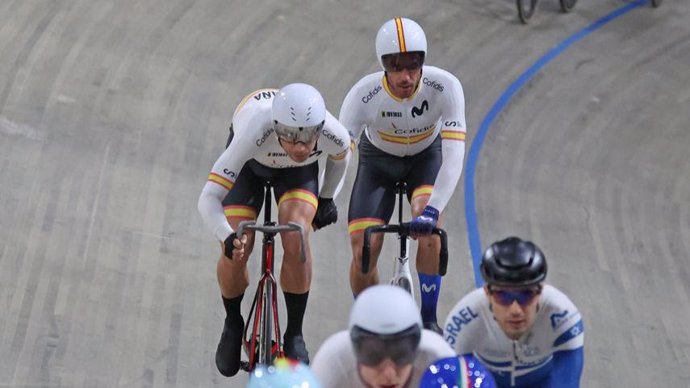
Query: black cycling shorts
{"x": 373, "y": 194}
{"x": 246, "y": 198}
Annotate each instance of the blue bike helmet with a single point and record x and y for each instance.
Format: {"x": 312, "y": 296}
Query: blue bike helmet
{"x": 457, "y": 372}
{"x": 284, "y": 373}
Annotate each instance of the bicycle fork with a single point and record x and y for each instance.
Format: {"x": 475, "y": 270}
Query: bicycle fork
{"x": 402, "y": 276}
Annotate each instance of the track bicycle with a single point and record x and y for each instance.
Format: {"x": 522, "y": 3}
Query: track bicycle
{"x": 402, "y": 276}
{"x": 262, "y": 344}
{"x": 526, "y": 8}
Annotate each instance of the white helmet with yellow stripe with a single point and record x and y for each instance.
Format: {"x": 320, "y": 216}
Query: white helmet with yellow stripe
{"x": 400, "y": 35}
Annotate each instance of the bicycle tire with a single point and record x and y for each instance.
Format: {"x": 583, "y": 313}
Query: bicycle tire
{"x": 266, "y": 340}
{"x": 526, "y": 9}
{"x": 567, "y": 5}
{"x": 656, "y": 3}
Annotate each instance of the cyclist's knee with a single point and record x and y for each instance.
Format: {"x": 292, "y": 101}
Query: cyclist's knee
{"x": 292, "y": 244}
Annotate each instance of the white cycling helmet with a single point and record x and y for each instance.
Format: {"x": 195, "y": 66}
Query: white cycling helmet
{"x": 399, "y": 35}
{"x": 298, "y": 113}
{"x": 385, "y": 323}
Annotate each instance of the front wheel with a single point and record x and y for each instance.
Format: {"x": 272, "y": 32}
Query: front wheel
{"x": 656, "y": 3}
{"x": 567, "y": 5}
{"x": 526, "y": 9}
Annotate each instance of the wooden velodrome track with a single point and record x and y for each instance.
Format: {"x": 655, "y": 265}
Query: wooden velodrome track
{"x": 112, "y": 113}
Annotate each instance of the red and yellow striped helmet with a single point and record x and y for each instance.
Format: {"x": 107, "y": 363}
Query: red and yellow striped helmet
{"x": 399, "y": 35}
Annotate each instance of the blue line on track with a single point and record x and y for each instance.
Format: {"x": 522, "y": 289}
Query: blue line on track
{"x": 503, "y": 100}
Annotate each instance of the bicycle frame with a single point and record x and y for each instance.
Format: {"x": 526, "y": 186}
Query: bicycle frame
{"x": 264, "y": 343}
{"x": 402, "y": 276}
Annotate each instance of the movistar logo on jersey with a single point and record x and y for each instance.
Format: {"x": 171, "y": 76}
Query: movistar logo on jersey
{"x": 391, "y": 114}
{"x": 433, "y": 84}
{"x": 372, "y": 93}
{"x": 418, "y": 111}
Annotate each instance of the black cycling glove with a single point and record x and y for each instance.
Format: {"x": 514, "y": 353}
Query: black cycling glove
{"x": 326, "y": 213}
{"x": 229, "y": 246}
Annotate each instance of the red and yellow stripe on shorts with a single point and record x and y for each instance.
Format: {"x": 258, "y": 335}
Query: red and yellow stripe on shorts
{"x": 424, "y": 190}
{"x": 299, "y": 195}
{"x": 358, "y": 225}
{"x": 240, "y": 212}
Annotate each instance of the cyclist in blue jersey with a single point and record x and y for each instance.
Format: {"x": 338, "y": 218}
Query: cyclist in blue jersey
{"x": 527, "y": 333}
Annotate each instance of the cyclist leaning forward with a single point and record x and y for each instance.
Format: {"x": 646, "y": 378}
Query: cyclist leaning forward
{"x": 276, "y": 136}
{"x": 413, "y": 119}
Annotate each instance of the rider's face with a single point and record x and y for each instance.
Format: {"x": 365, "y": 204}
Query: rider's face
{"x": 297, "y": 151}
{"x": 385, "y": 375}
{"x": 404, "y": 82}
{"x": 515, "y": 319}
{"x": 403, "y": 72}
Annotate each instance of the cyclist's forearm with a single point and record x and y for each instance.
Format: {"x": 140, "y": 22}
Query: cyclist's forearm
{"x": 448, "y": 175}
{"x": 334, "y": 176}
{"x": 567, "y": 368}
{"x": 211, "y": 209}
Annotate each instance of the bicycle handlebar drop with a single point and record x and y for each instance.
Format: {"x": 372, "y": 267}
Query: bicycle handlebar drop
{"x": 275, "y": 229}
{"x": 403, "y": 230}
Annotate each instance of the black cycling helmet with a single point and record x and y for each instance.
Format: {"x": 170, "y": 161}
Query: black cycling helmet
{"x": 513, "y": 262}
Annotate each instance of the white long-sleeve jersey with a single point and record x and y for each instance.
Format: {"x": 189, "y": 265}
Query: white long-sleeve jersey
{"x": 254, "y": 138}
{"x": 335, "y": 364}
{"x": 406, "y": 127}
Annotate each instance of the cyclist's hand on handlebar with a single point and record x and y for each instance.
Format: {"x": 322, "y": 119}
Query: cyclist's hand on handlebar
{"x": 326, "y": 213}
{"x": 233, "y": 247}
{"x": 425, "y": 222}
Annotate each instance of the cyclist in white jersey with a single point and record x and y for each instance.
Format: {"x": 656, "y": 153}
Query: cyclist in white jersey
{"x": 529, "y": 334}
{"x": 276, "y": 136}
{"x": 413, "y": 119}
{"x": 385, "y": 345}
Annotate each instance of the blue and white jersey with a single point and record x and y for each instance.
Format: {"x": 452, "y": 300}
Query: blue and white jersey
{"x": 529, "y": 361}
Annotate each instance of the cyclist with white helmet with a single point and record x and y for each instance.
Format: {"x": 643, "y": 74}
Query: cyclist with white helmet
{"x": 527, "y": 333}
{"x": 457, "y": 372}
{"x": 385, "y": 345}
{"x": 276, "y": 136}
{"x": 413, "y": 119}
{"x": 284, "y": 373}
